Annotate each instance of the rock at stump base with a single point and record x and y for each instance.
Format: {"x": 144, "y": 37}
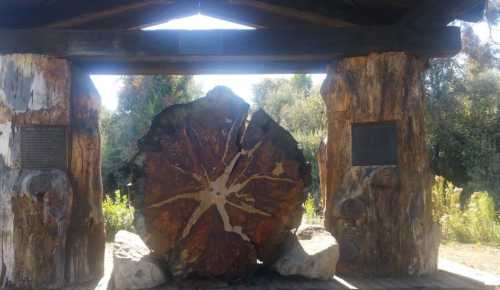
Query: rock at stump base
{"x": 313, "y": 253}
{"x": 132, "y": 266}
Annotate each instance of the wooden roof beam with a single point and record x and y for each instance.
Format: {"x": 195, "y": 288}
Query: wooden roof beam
{"x": 432, "y": 13}
{"x": 225, "y": 47}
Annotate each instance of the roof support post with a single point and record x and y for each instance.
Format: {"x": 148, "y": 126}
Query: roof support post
{"x": 51, "y": 223}
{"x": 378, "y": 197}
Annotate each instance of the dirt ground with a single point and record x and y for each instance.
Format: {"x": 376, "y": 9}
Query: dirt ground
{"x": 480, "y": 257}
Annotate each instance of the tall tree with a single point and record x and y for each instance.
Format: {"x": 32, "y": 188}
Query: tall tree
{"x": 140, "y": 99}
{"x": 463, "y": 117}
{"x": 297, "y": 106}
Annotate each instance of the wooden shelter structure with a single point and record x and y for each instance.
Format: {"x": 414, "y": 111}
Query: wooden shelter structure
{"x": 374, "y": 51}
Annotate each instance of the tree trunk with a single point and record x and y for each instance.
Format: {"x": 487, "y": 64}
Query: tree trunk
{"x": 321, "y": 157}
{"x": 34, "y": 204}
{"x": 217, "y": 192}
{"x": 381, "y": 215}
{"x": 37, "y": 204}
{"x": 86, "y": 237}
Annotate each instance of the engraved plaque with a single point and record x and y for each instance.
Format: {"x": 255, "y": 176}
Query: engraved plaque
{"x": 374, "y": 144}
{"x": 43, "y": 147}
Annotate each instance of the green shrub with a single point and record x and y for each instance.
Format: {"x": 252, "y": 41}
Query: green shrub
{"x": 446, "y": 199}
{"x": 310, "y": 215}
{"x": 118, "y": 214}
{"x": 476, "y": 222}
{"x": 480, "y": 216}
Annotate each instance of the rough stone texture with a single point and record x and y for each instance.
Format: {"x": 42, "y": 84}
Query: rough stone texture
{"x": 312, "y": 253}
{"x": 381, "y": 215}
{"x": 215, "y": 191}
{"x": 133, "y": 268}
{"x": 36, "y": 206}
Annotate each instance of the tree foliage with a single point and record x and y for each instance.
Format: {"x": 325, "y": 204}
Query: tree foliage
{"x": 141, "y": 98}
{"x": 463, "y": 116}
{"x": 297, "y": 106}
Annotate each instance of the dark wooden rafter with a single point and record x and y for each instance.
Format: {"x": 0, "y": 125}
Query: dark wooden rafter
{"x": 188, "y": 49}
{"x": 147, "y": 13}
{"x": 133, "y": 14}
{"x": 296, "y": 14}
{"x": 109, "y": 12}
{"x": 142, "y": 18}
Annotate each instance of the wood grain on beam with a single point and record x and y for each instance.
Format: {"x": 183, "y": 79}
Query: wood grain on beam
{"x": 292, "y": 13}
{"x": 141, "y": 18}
{"x": 228, "y": 46}
{"x": 202, "y": 67}
{"x": 106, "y": 13}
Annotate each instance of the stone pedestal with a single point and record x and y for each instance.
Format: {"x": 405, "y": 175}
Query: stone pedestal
{"x": 48, "y": 221}
{"x": 380, "y": 213}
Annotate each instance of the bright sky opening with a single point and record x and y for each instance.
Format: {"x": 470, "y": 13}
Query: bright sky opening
{"x": 109, "y": 85}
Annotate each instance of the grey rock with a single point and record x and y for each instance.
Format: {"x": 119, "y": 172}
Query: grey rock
{"x": 133, "y": 268}
{"x": 312, "y": 253}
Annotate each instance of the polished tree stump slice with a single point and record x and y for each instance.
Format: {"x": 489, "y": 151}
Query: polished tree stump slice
{"x": 217, "y": 188}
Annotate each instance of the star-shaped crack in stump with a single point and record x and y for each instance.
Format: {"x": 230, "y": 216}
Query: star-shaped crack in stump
{"x": 218, "y": 191}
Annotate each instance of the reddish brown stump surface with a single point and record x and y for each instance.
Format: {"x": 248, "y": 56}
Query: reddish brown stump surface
{"x": 214, "y": 191}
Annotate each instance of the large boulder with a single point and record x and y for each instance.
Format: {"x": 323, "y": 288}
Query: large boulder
{"x": 133, "y": 267}
{"x": 217, "y": 189}
{"x": 312, "y": 253}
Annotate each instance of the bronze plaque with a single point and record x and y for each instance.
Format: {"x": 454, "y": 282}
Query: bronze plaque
{"x": 43, "y": 147}
{"x": 374, "y": 144}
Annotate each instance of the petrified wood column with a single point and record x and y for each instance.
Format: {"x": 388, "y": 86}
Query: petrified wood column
{"x": 38, "y": 196}
{"x": 86, "y": 237}
{"x": 217, "y": 191}
{"x": 380, "y": 213}
{"x": 321, "y": 157}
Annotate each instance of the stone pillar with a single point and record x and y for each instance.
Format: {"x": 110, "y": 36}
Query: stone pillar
{"x": 38, "y": 195}
{"x": 381, "y": 214}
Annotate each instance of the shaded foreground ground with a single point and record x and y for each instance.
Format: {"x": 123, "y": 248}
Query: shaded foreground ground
{"x": 463, "y": 259}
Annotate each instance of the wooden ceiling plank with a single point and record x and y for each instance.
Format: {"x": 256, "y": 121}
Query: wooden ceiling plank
{"x": 251, "y": 16}
{"x": 292, "y": 13}
{"x": 106, "y": 13}
{"x": 142, "y": 18}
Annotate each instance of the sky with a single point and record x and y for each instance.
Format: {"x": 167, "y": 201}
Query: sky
{"x": 109, "y": 85}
